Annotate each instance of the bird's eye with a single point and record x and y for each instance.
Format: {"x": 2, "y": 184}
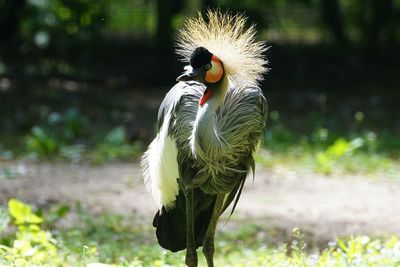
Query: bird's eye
{"x": 208, "y": 66}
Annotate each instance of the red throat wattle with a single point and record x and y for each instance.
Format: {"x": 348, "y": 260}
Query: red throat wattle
{"x": 206, "y": 95}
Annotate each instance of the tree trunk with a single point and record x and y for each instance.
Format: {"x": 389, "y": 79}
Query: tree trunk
{"x": 10, "y": 12}
{"x": 333, "y": 19}
{"x": 376, "y": 28}
{"x": 164, "y": 27}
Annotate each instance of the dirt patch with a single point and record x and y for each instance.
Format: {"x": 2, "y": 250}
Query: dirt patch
{"x": 324, "y": 206}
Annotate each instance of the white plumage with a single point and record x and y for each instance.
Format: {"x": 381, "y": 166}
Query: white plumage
{"x": 161, "y": 168}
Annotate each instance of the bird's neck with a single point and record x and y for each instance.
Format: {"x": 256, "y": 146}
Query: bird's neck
{"x": 205, "y": 141}
{"x": 219, "y": 91}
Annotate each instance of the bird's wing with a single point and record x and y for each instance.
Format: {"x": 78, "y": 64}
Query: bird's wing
{"x": 160, "y": 162}
{"x": 184, "y": 114}
{"x": 182, "y": 101}
{"x": 169, "y": 102}
{"x": 178, "y": 110}
{"x": 240, "y": 124}
{"x": 243, "y": 117}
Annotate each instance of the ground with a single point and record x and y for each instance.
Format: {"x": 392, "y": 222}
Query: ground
{"x": 323, "y": 206}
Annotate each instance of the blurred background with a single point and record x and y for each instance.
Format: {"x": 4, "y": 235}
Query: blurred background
{"x": 83, "y": 68}
{"x": 81, "y": 82}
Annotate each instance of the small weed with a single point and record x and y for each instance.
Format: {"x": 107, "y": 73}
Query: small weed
{"x": 298, "y": 248}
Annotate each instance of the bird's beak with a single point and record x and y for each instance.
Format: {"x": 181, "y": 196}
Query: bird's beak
{"x": 190, "y": 75}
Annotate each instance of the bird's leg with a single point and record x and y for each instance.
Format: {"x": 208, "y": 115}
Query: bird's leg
{"x": 208, "y": 242}
{"x": 191, "y": 254}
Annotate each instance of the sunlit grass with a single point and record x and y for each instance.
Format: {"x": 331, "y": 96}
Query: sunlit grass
{"x": 304, "y": 144}
{"x": 127, "y": 241}
{"x": 375, "y": 166}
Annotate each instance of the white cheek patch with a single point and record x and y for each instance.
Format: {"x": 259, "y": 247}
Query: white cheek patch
{"x": 214, "y": 68}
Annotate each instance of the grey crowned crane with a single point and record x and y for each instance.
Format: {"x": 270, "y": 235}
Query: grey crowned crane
{"x": 210, "y": 125}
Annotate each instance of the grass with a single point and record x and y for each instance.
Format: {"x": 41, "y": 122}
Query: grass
{"x": 356, "y": 148}
{"x": 373, "y": 166}
{"x": 118, "y": 240}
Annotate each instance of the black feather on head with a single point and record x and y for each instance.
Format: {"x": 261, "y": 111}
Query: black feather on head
{"x": 200, "y": 56}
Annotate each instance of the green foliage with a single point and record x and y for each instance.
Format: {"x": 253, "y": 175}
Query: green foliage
{"x": 115, "y": 146}
{"x": 22, "y": 213}
{"x": 328, "y": 150}
{"x": 70, "y": 135}
{"x": 73, "y": 124}
{"x": 54, "y": 214}
{"x": 117, "y": 240}
{"x": 355, "y": 251}
{"x": 142, "y": 22}
{"x": 298, "y": 246}
{"x": 55, "y": 21}
{"x": 40, "y": 142}
{"x": 58, "y": 134}
{"x": 31, "y": 246}
{"x": 326, "y": 159}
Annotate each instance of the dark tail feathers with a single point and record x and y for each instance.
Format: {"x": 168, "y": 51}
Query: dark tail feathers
{"x": 171, "y": 223}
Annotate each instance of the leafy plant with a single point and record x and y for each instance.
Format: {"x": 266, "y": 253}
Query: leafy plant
{"x": 54, "y": 214}
{"x": 40, "y": 142}
{"x": 298, "y": 246}
{"x": 115, "y": 146}
{"x": 326, "y": 159}
{"x": 32, "y": 246}
{"x": 73, "y": 125}
{"x": 67, "y": 135}
{"x": 22, "y": 213}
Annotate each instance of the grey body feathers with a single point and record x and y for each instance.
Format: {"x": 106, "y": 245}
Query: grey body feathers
{"x": 240, "y": 120}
